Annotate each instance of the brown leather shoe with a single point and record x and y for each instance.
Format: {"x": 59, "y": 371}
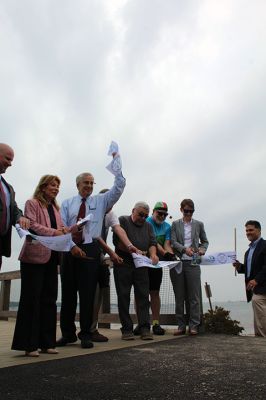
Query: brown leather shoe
{"x": 98, "y": 337}
{"x": 179, "y": 332}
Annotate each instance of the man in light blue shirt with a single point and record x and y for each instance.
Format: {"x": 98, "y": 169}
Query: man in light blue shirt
{"x": 254, "y": 268}
{"x": 81, "y": 275}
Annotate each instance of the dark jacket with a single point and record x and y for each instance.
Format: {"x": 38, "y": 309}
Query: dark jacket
{"x": 258, "y": 269}
{"x": 15, "y": 214}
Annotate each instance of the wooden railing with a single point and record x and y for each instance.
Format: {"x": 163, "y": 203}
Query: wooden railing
{"x": 105, "y": 317}
{"x": 5, "y": 279}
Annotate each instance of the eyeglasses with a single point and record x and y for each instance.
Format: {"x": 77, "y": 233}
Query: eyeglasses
{"x": 88, "y": 183}
{"x": 186, "y": 211}
{"x": 162, "y": 214}
{"x": 142, "y": 215}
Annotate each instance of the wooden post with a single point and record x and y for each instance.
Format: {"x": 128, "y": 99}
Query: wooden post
{"x": 5, "y": 297}
{"x": 208, "y": 294}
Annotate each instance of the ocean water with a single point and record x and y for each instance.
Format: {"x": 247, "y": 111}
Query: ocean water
{"x": 239, "y": 310}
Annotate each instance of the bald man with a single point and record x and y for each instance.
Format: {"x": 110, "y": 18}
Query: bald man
{"x": 10, "y": 214}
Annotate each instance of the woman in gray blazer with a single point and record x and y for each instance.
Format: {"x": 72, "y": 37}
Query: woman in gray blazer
{"x": 189, "y": 242}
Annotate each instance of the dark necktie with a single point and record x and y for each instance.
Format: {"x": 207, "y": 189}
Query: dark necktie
{"x": 104, "y": 232}
{"x": 77, "y": 237}
{"x": 4, "y": 211}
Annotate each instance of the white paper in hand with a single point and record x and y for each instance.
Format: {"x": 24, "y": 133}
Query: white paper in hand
{"x": 113, "y": 148}
{"x": 115, "y": 166}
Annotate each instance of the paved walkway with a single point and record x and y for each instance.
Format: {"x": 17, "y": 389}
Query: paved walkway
{"x": 10, "y": 357}
{"x": 204, "y": 367}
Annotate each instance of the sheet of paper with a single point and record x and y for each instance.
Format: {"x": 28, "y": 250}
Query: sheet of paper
{"x": 86, "y": 230}
{"x": 57, "y": 243}
{"x": 21, "y": 232}
{"x": 143, "y": 261}
{"x": 115, "y": 166}
{"x": 85, "y": 220}
{"x": 113, "y": 148}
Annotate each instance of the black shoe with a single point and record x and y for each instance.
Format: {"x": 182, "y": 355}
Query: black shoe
{"x": 96, "y": 336}
{"x": 158, "y": 330}
{"x": 137, "y": 331}
{"x": 86, "y": 344}
{"x": 64, "y": 341}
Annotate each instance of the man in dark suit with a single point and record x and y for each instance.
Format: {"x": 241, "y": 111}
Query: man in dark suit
{"x": 10, "y": 214}
{"x": 254, "y": 268}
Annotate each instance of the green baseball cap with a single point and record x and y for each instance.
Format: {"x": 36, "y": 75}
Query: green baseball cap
{"x": 161, "y": 206}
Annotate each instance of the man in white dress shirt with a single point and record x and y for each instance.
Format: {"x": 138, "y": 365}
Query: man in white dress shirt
{"x": 80, "y": 275}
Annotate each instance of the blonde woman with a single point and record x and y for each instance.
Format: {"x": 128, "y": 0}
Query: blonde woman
{"x": 36, "y": 319}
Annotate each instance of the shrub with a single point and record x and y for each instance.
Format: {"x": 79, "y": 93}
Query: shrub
{"x": 219, "y": 321}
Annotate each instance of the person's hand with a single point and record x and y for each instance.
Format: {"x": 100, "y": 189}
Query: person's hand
{"x": 189, "y": 251}
{"x": 58, "y": 232}
{"x": 154, "y": 259}
{"x": 74, "y": 229}
{"x": 64, "y": 230}
{"x": 201, "y": 252}
{"x": 133, "y": 249}
{"x": 251, "y": 284}
{"x": 24, "y": 222}
{"x": 77, "y": 252}
{"x": 237, "y": 265}
{"x": 115, "y": 258}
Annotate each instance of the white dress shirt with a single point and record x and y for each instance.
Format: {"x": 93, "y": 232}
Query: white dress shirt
{"x": 97, "y": 205}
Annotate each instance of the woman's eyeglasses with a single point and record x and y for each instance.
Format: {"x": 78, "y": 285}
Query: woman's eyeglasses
{"x": 186, "y": 211}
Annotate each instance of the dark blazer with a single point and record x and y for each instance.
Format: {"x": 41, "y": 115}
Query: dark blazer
{"x": 15, "y": 214}
{"x": 258, "y": 269}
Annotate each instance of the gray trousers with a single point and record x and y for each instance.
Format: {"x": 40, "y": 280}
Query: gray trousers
{"x": 126, "y": 276}
{"x": 187, "y": 288}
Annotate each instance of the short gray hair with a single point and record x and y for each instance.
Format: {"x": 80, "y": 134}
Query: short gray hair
{"x": 142, "y": 204}
{"x": 82, "y": 176}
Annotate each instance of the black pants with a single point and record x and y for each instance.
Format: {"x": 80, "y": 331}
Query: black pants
{"x": 126, "y": 276}
{"x": 36, "y": 318}
{"x": 79, "y": 276}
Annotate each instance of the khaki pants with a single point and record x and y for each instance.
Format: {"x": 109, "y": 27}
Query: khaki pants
{"x": 259, "y": 309}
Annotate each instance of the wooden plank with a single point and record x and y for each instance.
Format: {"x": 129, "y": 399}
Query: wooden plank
{"x": 5, "y": 276}
{"x": 5, "y": 296}
{"x": 8, "y": 314}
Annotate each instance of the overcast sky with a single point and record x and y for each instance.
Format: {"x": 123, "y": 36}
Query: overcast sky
{"x": 179, "y": 85}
